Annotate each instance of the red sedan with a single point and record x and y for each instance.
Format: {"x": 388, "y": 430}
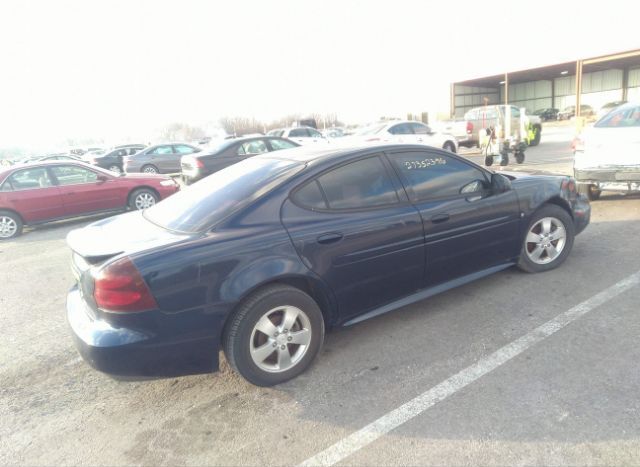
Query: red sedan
{"x": 46, "y": 191}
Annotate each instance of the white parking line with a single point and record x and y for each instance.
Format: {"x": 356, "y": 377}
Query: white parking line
{"x": 352, "y": 443}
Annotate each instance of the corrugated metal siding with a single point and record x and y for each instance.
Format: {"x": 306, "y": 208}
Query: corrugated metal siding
{"x": 468, "y": 97}
{"x": 633, "y": 94}
{"x": 599, "y": 81}
{"x": 565, "y": 86}
{"x": 634, "y": 78}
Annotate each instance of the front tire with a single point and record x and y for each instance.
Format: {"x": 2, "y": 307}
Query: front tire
{"x": 548, "y": 240}
{"x": 274, "y": 335}
{"x": 449, "y": 146}
{"x": 142, "y": 198}
{"x": 150, "y": 169}
{"x": 10, "y": 225}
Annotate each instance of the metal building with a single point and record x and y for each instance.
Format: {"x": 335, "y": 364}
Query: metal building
{"x": 593, "y": 81}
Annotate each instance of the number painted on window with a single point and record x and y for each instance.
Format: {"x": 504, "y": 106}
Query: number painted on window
{"x": 424, "y": 163}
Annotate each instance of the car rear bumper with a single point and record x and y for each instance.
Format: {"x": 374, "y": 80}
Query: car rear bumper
{"x": 621, "y": 174}
{"x": 128, "y": 352}
{"x": 581, "y": 213}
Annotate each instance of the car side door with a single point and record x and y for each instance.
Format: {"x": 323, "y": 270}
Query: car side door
{"x": 84, "y": 190}
{"x": 163, "y": 158}
{"x": 32, "y": 193}
{"x": 468, "y": 227}
{"x": 353, "y": 226}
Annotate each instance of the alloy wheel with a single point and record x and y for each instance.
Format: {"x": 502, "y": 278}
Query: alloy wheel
{"x": 280, "y": 339}
{"x": 8, "y": 227}
{"x": 144, "y": 201}
{"x": 545, "y": 240}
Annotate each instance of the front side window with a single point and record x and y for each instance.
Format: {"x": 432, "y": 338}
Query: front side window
{"x": 252, "y": 147}
{"x": 183, "y": 149}
{"x": 420, "y": 129}
{"x": 162, "y": 150}
{"x": 314, "y": 133}
{"x": 433, "y": 175}
{"x": 401, "y": 129}
{"x": 277, "y": 144}
{"x": 72, "y": 175}
{"x": 298, "y": 133}
{"x": 362, "y": 184}
{"x": 28, "y": 179}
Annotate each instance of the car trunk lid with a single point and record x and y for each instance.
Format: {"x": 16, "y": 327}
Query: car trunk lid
{"x": 609, "y": 147}
{"x": 125, "y": 234}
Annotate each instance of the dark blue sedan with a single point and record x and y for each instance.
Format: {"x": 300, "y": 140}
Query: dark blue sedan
{"x": 260, "y": 258}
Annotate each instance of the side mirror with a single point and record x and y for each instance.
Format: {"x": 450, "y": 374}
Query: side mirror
{"x": 102, "y": 178}
{"x": 500, "y": 183}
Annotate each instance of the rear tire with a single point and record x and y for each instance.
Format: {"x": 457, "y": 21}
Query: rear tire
{"x": 115, "y": 168}
{"x": 488, "y": 161}
{"x": 10, "y": 225}
{"x": 260, "y": 338}
{"x": 547, "y": 241}
{"x": 142, "y": 198}
{"x": 590, "y": 190}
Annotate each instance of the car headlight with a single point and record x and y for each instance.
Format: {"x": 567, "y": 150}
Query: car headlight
{"x": 168, "y": 182}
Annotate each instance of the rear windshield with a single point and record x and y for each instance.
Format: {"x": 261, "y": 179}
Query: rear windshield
{"x": 625, "y": 116}
{"x": 204, "y": 204}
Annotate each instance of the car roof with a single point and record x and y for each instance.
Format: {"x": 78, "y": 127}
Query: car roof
{"x": 322, "y": 153}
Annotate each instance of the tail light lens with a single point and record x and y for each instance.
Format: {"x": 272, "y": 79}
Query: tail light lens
{"x": 469, "y": 127}
{"x": 372, "y": 139}
{"x": 120, "y": 288}
{"x": 193, "y": 162}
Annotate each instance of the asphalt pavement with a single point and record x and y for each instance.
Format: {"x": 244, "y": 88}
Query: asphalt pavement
{"x": 512, "y": 369}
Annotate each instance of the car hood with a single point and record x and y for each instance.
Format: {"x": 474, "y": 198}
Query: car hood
{"x": 127, "y": 233}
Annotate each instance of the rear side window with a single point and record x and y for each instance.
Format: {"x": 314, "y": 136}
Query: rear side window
{"x": 420, "y": 129}
{"x": 310, "y": 196}
{"x": 162, "y": 150}
{"x": 277, "y": 144}
{"x": 28, "y": 179}
{"x": 619, "y": 118}
{"x": 433, "y": 175}
{"x": 361, "y": 184}
{"x": 252, "y": 147}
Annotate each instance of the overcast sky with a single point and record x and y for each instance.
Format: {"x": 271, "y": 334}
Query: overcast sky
{"x": 119, "y": 70}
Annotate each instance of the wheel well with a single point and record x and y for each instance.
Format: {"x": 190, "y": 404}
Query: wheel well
{"x": 14, "y": 212}
{"x": 300, "y": 283}
{"x": 558, "y": 201}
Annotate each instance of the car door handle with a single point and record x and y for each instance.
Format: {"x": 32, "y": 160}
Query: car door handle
{"x": 440, "y": 218}
{"x": 331, "y": 237}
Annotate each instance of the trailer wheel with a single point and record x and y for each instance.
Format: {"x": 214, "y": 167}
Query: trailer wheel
{"x": 488, "y": 161}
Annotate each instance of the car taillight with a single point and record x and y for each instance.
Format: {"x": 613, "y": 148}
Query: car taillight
{"x": 120, "y": 288}
{"x": 198, "y": 163}
{"x": 469, "y": 127}
{"x": 569, "y": 185}
{"x": 372, "y": 139}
